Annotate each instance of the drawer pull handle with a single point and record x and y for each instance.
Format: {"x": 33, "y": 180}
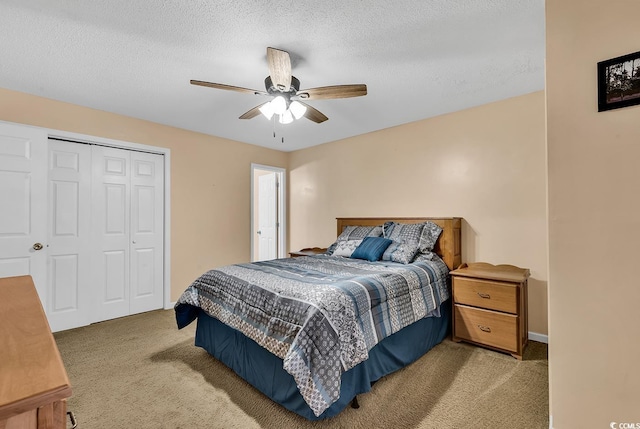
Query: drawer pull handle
{"x": 72, "y": 419}
{"x": 484, "y": 295}
{"x": 484, "y": 328}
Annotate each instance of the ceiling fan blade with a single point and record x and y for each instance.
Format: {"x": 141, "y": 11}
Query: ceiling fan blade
{"x": 314, "y": 114}
{"x": 227, "y": 87}
{"x": 335, "y": 91}
{"x": 253, "y": 112}
{"x": 279, "y": 68}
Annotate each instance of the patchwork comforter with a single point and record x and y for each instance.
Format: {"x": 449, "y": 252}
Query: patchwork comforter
{"x": 320, "y": 314}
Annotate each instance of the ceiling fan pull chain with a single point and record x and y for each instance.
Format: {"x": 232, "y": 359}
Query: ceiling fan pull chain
{"x": 273, "y": 122}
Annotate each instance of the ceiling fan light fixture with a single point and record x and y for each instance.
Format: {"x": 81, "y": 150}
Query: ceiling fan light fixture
{"x": 267, "y": 110}
{"x": 298, "y": 109}
{"x": 286, "y": 117}
{"x": 279, "y": 105}
{"x": 282, "y": 86}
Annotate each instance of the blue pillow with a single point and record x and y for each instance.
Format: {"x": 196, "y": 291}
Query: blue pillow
{"x": 371, "y": 248}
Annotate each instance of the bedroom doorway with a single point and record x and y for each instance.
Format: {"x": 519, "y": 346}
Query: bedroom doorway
{"x": 267, "y": 212}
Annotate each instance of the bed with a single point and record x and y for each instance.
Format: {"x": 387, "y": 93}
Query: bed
{"x": 313, "y": 332}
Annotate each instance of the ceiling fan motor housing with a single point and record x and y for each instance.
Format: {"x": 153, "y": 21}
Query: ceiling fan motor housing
{"x": 274, "y": 90}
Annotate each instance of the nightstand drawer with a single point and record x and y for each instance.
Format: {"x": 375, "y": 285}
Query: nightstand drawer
{"x": 486, "y": 294}
{"x": 486, "y": 327}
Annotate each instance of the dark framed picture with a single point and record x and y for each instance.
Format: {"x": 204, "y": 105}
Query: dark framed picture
{"x": 619, "y": 82}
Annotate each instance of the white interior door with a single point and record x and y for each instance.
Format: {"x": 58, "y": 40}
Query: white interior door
{"x": 147, "y": 224}
{"x": 111, "y": 196}
{"x": 128, "y": 224}
{"x": 69, "y": 230}
{"x": 23, "y": 204}
{"x": 267, "y": 217}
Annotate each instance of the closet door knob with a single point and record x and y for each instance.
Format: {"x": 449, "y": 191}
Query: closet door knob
{"x": 37, "y": 246}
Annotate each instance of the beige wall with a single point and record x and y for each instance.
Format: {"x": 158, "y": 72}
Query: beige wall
{"x": 485, "y": 164}
{"x": 594, "y": 219}
{"x": 210, "y": 179}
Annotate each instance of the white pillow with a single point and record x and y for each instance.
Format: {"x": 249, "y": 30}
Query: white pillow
{"x": 345, "y": 248}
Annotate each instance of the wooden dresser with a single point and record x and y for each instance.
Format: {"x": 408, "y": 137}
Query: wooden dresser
{"x": 490, "y": 306}
{"x": 33, "y": 382}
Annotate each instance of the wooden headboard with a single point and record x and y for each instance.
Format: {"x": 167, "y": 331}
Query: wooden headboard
{"x": 447, "y": 247}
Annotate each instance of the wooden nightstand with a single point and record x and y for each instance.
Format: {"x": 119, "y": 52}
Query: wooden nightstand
{"x": 308, "y": 251}
{"x": 490, "y": 306}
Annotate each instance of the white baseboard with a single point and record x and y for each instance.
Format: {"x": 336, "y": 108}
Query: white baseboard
{"x": 173, "y": 304}
{"x": 541, "y": 338}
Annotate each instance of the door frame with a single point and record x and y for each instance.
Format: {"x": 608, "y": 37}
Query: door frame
{"x": 282, "y": 214}
{"x": 88, "y": 139}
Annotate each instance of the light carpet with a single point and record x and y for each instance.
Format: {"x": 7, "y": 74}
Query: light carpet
{"x": 142, "y": 372}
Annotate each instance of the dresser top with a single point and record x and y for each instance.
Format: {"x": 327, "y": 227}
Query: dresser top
{"x": 505, "y": 273}
{"x": 31, "y": 368}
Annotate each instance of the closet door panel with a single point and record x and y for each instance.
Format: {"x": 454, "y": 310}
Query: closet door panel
{"x": 114, "y": 290}
{"x": 147, "y": 231}
{"x": 110, "y": 219}
{"x": 64, "y": 286}
{"x": 69, "y": 243}
{"x": 143, "y": 261}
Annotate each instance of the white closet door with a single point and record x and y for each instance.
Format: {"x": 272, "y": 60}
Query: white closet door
{"x": 147, "y": 231}
{"x": 111, "y": 214}
{"x": 128, "y": 223}
{"x": 69, "y": 282}
{"x": 23, "y": 204}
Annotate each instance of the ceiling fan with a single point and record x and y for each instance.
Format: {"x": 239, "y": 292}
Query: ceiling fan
{"x": 286, "y": 93}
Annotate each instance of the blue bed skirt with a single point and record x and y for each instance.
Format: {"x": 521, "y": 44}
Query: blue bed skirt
{"x": 264, "y": 371}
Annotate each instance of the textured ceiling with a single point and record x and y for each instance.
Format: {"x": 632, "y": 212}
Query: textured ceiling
{"x": 418, "y": 58}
